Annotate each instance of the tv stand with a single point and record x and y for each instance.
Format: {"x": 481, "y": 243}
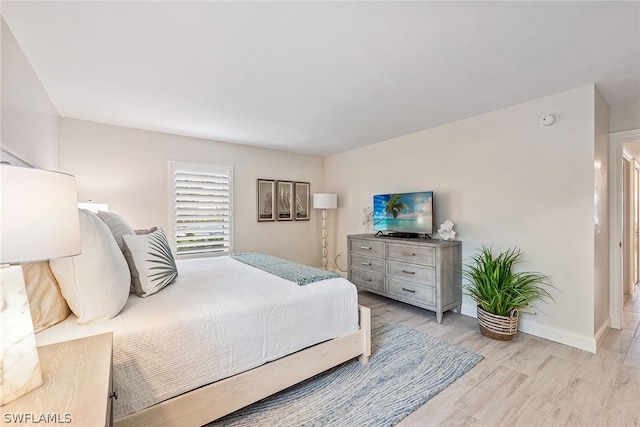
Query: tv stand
{"x": 424, "y": 273}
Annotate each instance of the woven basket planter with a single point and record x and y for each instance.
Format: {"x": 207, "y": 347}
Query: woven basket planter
{"x": 502, "y": 328}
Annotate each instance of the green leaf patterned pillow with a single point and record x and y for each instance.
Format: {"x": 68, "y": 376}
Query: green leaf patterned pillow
{"x": 151, "y": 262}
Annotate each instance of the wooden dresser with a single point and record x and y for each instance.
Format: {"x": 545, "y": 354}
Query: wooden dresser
{"x": 424, "y": 273}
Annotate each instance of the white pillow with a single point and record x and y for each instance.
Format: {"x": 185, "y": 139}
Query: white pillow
{"x": 96, "y": 282}
{"x": 118, "y": 226}
{"x": 151, "y": 262}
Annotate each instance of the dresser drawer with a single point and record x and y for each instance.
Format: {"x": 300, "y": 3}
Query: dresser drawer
{"x": 411, "y": 272}
{"x": 366, "y": 247}
{"x": 415, "y": 254}
{"x": 366, "y": 263}
{"x": 367, "y": 279}
{"x": 421, "y": 293}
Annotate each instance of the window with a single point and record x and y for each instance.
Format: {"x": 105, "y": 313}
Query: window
{"x": 201, "y": 209}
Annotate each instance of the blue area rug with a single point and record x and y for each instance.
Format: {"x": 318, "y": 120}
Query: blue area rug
{"x": 406, "y": 369}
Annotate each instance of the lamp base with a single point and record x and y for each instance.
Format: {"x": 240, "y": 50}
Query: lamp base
{"x": 20, "y": 366}
{"x": 325, "y": 242}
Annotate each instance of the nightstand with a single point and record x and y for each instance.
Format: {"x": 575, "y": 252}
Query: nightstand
{"x": 77, "y": 386}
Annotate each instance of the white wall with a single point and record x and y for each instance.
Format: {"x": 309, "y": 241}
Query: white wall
{"x": 624, "y": 117}
{"x": 503, "y": 180}
{"x": 128, "y": 169}
{"x": 601, "y": 209}
{"x": 29, "y": 118}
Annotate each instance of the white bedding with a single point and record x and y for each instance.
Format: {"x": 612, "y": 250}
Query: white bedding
{"x": 220, "y": 317}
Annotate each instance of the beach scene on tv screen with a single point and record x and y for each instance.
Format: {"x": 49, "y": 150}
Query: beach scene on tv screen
{"x": 415, "y": 212}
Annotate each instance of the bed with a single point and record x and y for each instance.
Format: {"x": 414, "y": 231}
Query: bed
{"x": 223, "y": 335}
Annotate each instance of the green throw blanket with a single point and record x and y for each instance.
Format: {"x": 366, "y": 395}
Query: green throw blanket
{"x": 289, "y": 270}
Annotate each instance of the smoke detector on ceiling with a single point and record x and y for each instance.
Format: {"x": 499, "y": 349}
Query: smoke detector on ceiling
{"x": 548, "y": 120}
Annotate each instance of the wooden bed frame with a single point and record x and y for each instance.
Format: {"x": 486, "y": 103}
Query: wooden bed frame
{"x": 213, "y": 401}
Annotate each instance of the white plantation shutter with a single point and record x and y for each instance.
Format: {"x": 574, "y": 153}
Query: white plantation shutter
{"x": 201, "y": 209}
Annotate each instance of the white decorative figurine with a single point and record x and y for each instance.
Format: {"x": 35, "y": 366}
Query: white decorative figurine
{"x": 367, "y": 219}
{"x": 446, "y": 230}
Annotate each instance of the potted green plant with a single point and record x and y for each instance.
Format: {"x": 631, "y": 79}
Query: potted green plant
{"x": 500, "y": 292}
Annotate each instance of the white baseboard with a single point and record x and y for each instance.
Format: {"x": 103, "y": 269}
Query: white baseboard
{"x": 602, "y": 332}
{"x": 469, "y": 309}
{"x": 528, "y": 326}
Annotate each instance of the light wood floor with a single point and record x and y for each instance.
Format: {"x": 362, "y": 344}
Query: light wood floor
{"x": 529, "y": 381}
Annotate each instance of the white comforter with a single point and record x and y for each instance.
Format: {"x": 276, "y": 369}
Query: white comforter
{"x": 219, "y": 318}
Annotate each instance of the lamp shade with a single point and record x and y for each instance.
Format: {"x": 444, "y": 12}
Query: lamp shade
{"x": 38, "y": 215}
{"x": 325, "y": 201}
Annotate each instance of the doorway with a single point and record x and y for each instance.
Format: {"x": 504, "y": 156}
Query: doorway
{"x": 624, "y": 259}
{"x": 630, "y": 229}
{"x": 636, "y": 230}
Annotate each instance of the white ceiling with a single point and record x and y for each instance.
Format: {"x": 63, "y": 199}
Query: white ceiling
{"x": 319, "y": 77}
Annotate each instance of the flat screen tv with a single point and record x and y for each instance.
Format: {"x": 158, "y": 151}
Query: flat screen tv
{"x": 403, "y": 213}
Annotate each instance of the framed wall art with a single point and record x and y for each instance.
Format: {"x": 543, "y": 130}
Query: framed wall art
{"x": 285, "y": 200}
{"x": 301, "y": 192}
{"x": 266, "y": 207}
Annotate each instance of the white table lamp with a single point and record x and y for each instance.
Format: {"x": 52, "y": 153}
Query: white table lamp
{"x": 38, "y": 221}
{"x": 325, "y": 201}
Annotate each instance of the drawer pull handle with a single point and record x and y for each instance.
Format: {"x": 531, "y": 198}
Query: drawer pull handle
{"x": 366, "y": 279}
{"x": 408, "y": 253}
{"x": 365, "y": 263}
{"x": 366, "y": 248}
{"x": 409, "y": 290}
{"x": 408, "y": 272}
